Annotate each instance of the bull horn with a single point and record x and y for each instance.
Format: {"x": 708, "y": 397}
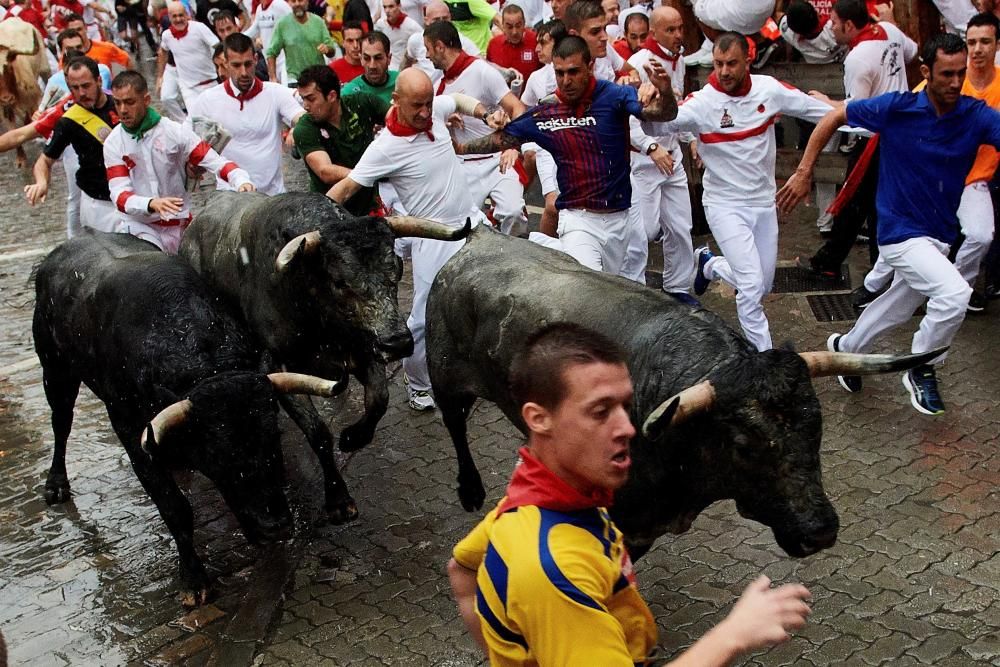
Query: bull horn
{"x": 408, "y": 225}
{"x": 305, "y": 243}
{"x": 679, "y": 408}
{"x": 169, "y": 417}
{"x": 823, "y": 364}
{"x": 298, "y": 383}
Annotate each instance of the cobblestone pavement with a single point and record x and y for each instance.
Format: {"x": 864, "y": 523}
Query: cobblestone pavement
{"x": 913, "y": 579}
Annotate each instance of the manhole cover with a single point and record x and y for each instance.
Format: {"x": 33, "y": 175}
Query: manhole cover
{"x": 832, "y": 307}
{"x": 793, "y": 279}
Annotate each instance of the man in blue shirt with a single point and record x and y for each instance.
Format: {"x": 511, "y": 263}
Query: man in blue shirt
{"x": 929, "y": 141}
{"x": 585, "y": 127}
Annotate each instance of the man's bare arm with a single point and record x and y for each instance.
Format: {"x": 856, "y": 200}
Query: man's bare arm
{"x": 798, "y": 186}
{"x": 463, "y": 587}
{"x": 491, "y": 143}
{"x": 343, "y": 190}
{"x": 16, "y": 137}
{"x": 325, "y": 169}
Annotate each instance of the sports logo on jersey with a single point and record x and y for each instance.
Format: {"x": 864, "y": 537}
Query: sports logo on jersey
{"x": 727, "y": 120}
{"x": 557, "y": 124}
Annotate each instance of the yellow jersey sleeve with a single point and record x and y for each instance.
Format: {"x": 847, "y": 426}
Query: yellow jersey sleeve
{"x": 471, "y": 550}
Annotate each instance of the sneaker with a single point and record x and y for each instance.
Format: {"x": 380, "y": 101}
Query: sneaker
{"x": 921, "y": 382}
{"x": 764, "y": 54}
{"x": 851, "y": 383}
{"x": 977, "y": 302}
{"x": 685, "y": 298}
{"x": 861, "y": 297}
{"x": 811, "y": 266}
{"x": 701, "y": 282}
{"x": 703, "y": 56}
{"x": 418, "y": 399}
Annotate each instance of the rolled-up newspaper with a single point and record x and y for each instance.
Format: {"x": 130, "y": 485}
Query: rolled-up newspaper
{"x": 214, "y": 134}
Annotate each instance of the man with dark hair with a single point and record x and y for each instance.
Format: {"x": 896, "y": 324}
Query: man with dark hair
{"x": 585, "y": 18}
{"x": 921, "y": 184}
{"x": 105, "y": 53}
{"x": 803, "y": 30}
{"x": 586, "y": 131}
{"x": 302, "y": 37}
{"x": 875, "y": 64}
{"x": 206, "y": 10}
{"x": 253, "y": 112}
{"x": 349, "y": 65}
{"x": 634, "y": 33}
{"x": 84, "y": 126}
{"x": 335, "y": 131}
{"x": 146, "y": 157}
{"x": 377, "y": 79}
{"x": 225, "y": 25}
{"x": 515, "y": 46}
{"x": 416, "y": 50}
{"x": 532, "y": 583}
{"x": 398, "y": 27}
{"x": 734, "y": 116}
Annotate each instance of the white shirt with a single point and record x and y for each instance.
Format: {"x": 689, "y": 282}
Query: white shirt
{"x": 821, "y": 49}
{"x": 676, "y": 69}
{"x": 539, "y": 85}
{"x": 139, "y": 171}
{"x": 414, "y": 9}
{"x": 192, "y": 54}
{"x": 265, "y": 19}
{"x": 483, "y": 82}
{"x": 416, "y": 51}
{"x": 534, "y": 10}
{"x": 606, "y": 67}
{"x": 398, "y": 38}
{"x": 875, "y": 67}
{"x": 425, "y": 173}
{"x": 255, "y": 129}
{"x": 736, "y": 137}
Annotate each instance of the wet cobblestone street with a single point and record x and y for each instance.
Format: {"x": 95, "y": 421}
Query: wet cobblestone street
{"x": 913, "y": 579}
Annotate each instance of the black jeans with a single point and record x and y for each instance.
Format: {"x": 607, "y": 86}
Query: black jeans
{"x": 852, "y": 217}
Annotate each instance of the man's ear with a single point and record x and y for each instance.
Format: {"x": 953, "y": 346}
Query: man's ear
{"x": 925, "y": 72}
{"x": 536, "y": 418}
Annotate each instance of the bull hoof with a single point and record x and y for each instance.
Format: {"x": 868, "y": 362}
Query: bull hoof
{"x": 344, "y": 512}
{"x": 194, "y": 597}
{"x": 471, "y": 494}
{"x": 355, "y": 437}
{"x": 56, "y": 489}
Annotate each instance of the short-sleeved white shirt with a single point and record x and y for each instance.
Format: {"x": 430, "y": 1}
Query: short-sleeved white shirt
{"x": 483, "y": 82}
{"x": 192, "y": 53}
{"x": 425, "y": 173}
{"x": 876, "y": 67}
{"x": 256, "y": 130}
{"x": 606, "y": 67}
{"x": 820, "y": 50}
{"x": 416, "y": 51}
{"x": 398, "y": 38}
{"x": 539, "y": 85}
{"x": 264, "y": 20}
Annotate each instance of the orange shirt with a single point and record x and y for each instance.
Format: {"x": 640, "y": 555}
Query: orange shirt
{"x": 106, "y": 53}
{"x": 987, "y": 158}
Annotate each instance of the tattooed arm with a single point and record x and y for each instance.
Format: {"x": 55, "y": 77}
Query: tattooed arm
{"x": 658, "y": 104}
{"x": 491, "y": 143}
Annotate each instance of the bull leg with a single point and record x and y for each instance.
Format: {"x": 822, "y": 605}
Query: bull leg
{"x": 360, "y": 433}
{"x": 61, "y": 389}
{"x": 340, "y": 506}
{"x": 20, "y": 158}
{"x": 455, "y": 411}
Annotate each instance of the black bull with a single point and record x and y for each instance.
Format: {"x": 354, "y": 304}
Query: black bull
{"x": 747, "y": 428}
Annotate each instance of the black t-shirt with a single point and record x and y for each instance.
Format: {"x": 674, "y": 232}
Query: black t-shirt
{"x": 207, "y": 10}
{"x": 91, "y": 176}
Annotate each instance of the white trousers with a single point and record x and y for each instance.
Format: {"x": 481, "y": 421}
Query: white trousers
{"x": 169, "y": 93}
{"x": 975, "y": 216}
{"x": 71, "y": 164}
{"x": 485, "y": 180}
{"x": 743, "y": 16}
{"x": 190, "y": 93}
{"x": 748, "y": 238}
{"x": 595, "y": 239}
{"x": 545, "y": 165}
{"x": 98, "y": 214}
{"x": 428, "y": 256}
{"x": 662, "y": 205}
{"x": 167, "y": 239}
{"x": 922, "y": 270}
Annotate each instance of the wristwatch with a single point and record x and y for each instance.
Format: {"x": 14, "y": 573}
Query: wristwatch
{"x": 652, "y": 147}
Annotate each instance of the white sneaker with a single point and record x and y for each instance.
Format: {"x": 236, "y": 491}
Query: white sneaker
{"x": 419, "y": 400}
{"x": 702, "y": 56}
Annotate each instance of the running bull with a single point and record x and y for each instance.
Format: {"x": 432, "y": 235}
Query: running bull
{"x": 179, "y": 377}
{"x": 317, "y": 286}
{"x": 719, "y": 419}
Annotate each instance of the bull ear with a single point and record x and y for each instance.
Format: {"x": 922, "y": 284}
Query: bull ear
{"x": 303, "y": 244}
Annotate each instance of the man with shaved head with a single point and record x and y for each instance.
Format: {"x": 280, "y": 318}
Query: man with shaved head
{"x": 191, "y": 44}
{"x": 415, "y": 155}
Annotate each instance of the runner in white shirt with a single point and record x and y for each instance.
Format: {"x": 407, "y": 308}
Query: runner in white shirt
{"x": 253, "y": 112}
{"x": 398, "y": 27}
{"x": 746, "y": 17}
{"x": 191, "y": 44}
{"x": 267, "y": 14}
{"x": 416, "y": 52}
{"x": 586, "y": 19}
{"x": 481, "y": 81}
{"x": 734, "y": 117}
{"x": 146, "y": 157}
{"x": 661, "y": 202}
{"x": 414, "y": 154}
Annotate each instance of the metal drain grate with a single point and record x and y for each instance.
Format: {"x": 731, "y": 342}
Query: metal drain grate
{"x": 793, "y": 279}
{"x": 832, "y": 307}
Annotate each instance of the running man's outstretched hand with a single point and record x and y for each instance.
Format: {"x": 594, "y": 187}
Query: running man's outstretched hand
{"x": 763, "y": 616}
{"x": 795, "y": 190}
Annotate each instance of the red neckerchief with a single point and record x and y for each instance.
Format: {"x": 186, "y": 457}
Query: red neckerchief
{"x": 534, "y": 484}
{"x": 655, "y": 47}
{"x": 461, "y": 63}
{"x": 398, "y": 22}
{"x": 396, "y": 126}
{"x": 713, "y": 81}
{"x": 178, "y": 33}
{"x": 588, "y": 96}
{"x": 872, "y": 32}
{"x": 265, "y": 4}
{"x": 254, "y": 91}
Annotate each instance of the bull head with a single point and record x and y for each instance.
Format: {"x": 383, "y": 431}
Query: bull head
{"x": 407, "y": 225}
{"x": 177, "y": 413}
{"x": 303, "y": 244}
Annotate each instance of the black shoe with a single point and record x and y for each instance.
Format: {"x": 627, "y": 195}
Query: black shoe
{"x": 685, "y": 298}
{"x": 851, "y": 383}
{"x": 977, "y": 303}
{"x": 992, "y": 292}
{"x": 921, "y": 382}
{"x": 295, "y": 153}
{"x": 812, "y": 267}
{"x": 861, "y": 297}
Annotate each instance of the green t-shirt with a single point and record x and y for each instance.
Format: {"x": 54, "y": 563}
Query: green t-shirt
{"x": 473, "y": 19}
{"x": 383, "y": 92}
{"x": 299, "y": 42}
{"x": 359, "y": 113}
